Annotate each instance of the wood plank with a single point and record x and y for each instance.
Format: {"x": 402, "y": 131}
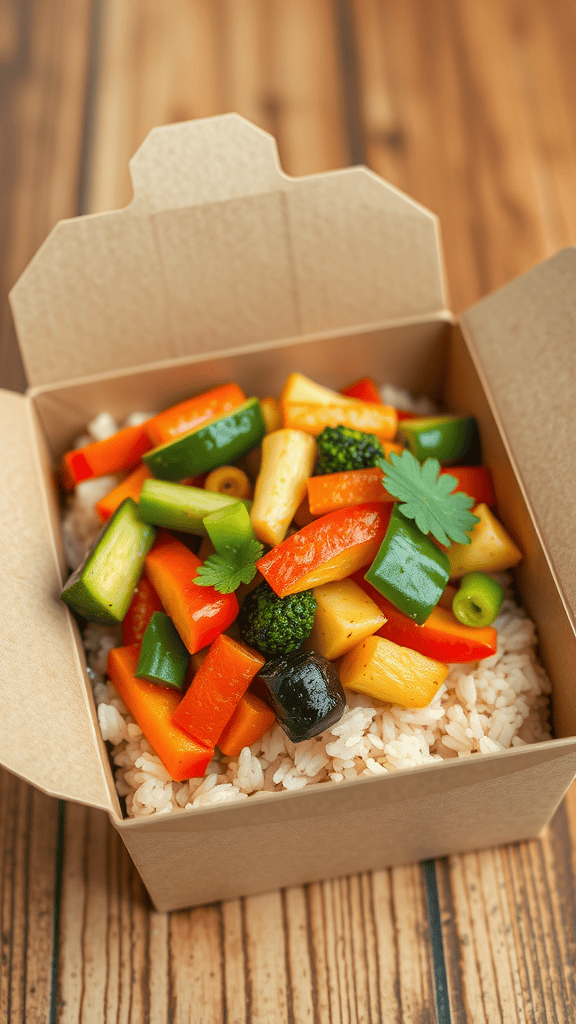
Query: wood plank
{"x": 28, "y": 842}
{"x": 275, "y": 63}
{"x": 509, "y": 924}
{"x": 44, "y": 72}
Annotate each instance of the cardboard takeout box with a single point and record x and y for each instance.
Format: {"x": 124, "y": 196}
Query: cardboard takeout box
{"x": 224, "y": 269}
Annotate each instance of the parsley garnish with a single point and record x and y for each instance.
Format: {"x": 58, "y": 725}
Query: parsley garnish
{"x": 426, "y": 497}
{"x": 226, "y": 572}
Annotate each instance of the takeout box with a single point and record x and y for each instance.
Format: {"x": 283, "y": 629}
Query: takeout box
{"x": 224, "y": 269}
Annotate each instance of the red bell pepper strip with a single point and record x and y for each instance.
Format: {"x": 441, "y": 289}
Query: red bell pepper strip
{"x": 365, "y": 389}
{"x": 200, "y": 614}
{"x": 214, "y": 693}
{"x": 475, "y": 481}
{"x": 153, "y": 706}
{"x": 440, "y": 637}
{"x": 114, "y": 454}
{"x": 328, "y": 549}
{"x": 144, "y": 603}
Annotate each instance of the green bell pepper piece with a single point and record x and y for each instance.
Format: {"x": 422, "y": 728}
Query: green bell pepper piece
{"x": 102, "y": 587}
{"x": 446, "y": 438}
{"x": 181, "y": 506}
{"x": 163, "y": 657}
{"x": 217, "y": 443}
{"x": 409, "y": 569}
{"x": 230, "y": 528}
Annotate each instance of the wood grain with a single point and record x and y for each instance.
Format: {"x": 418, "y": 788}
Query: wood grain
{"x": 469, "y": 108}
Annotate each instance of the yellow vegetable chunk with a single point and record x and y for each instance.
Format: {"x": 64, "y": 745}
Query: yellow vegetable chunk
{"x": 393, "y": 674}
{"x": 299, "y": 388}
{"x": 272, "y": 414}
{"x": 288, "y": 458}
{"x": 490, "y": 549}
{"x": 345, "y": 615}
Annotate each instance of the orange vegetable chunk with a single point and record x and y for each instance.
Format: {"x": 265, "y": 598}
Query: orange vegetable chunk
{"x": 330, "y": 548}
{"x": 313, "y": 417}
{"x": 153, "y": 706}
{"x": 188, "y": 415}
{"x": 199, "y": 613}
{"x": 114, "y": 454}
{"x": 341, "y": 490}
{"x": 251, "y": 719}
{"x": 214, "y": 693}
{"x": 128, "y": 488}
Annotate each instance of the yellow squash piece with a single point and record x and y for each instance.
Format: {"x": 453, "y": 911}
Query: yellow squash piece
{"x": 299, "y": 388}
{"x": 345, "y": 615}
{"x": 368, "y": 417}
{"x": 393, "y": 674}
{"x": 271, "y": 413}
{"x": 490, "y": 549}
{"x": 288, "y": 458}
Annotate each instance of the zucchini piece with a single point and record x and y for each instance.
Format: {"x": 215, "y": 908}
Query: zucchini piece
{"x": 163, "y": 657}
{"x": 102, "y": 587}
{"x": 181, "y": 506}
{"x": 219, "y": 442}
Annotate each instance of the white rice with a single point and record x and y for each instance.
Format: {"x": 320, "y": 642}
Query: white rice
{"x": 483, "y": 707}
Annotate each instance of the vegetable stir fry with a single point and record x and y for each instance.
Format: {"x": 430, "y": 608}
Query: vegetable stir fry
{"x": 249, "y": 598}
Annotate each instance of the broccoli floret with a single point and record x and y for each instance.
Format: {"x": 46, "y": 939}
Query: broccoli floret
{"x": 340, "y": 448}
{"x": 276, "y": 625}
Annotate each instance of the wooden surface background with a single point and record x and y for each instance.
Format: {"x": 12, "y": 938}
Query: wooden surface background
{"x": 468, "y": 105}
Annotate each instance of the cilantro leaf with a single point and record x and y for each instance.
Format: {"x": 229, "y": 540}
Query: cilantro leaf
{"x": 426, "y": 497}
{"x": 226, "y": 572}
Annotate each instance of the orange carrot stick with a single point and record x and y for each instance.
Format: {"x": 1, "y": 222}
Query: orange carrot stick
{"x": 341, "y": 490}
{"x": 185, "y": 416}
{"x": 251, "y": 719}
{"x": 313, "y": 417}
{"x": 152, "y": 707}
{"x": 114, "y": 454}
{"x": 199, "y": 613}
{"x": 128, "y": 488}
{"x": 213, "y": 695}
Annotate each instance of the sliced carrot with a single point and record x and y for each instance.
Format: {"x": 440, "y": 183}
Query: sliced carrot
{"x": 214, "y": 693}
{"x": 187, "y": 415}
{"x": 341, "y": 490}
{"x": 365, "y": 389}
{"x": 114, "y": 454}
{"x": 128, "y": 488}
{"x": 330, "y": 548}
{"x": 313, "y": 417}
{"x": 199, "y": 613}
{"x": 152, "y": 707}
{"x": 142, "y": 607}
{"x": 251, "y": 719}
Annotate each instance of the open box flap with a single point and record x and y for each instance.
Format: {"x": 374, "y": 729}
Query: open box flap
{"x": 48, "y": 735}
{"x": 535, "y": 397}
{"x": 220, "y": 249}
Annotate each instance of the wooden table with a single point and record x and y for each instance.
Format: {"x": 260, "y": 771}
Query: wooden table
{"x": 467, "y": 105}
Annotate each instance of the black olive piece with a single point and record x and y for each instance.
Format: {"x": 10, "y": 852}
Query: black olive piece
{"x": 305, "y": 693}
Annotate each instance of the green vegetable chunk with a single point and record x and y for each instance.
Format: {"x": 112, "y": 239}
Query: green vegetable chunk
{"x": 102, "y": 587}
{"x": 446, "y": 438}
{"x": 409, "y": 569}
{"x": 181, "y": 506}
{"x": 276, "y": 625}
{"x": 341, "y": 448}
{"x": 163, "y": 657}
{"x": 478, "y": 600}
{"x": 230, "y": 529}
{"x": 217, "y": 443}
